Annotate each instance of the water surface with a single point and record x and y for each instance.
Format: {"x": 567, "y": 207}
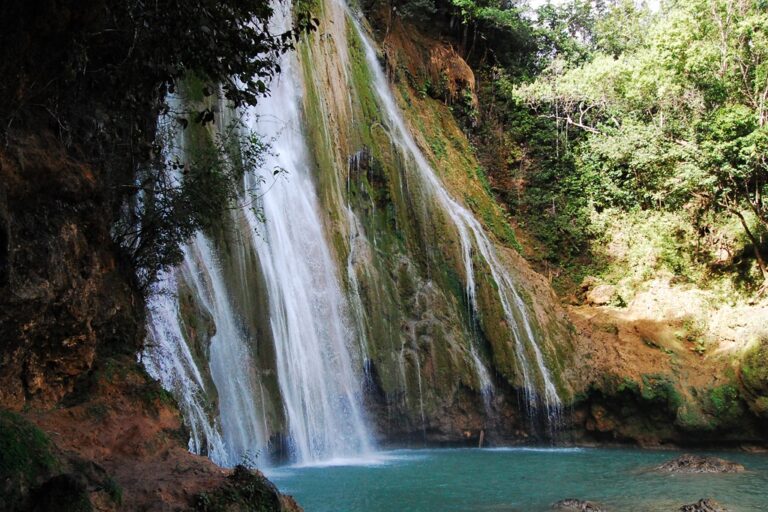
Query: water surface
{"x": 517, "y": 480}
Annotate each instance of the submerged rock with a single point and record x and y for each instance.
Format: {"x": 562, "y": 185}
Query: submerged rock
{"x": 696, "y": 464}
{"x": 574, "y": 505}
{"x": 705, "y": 505}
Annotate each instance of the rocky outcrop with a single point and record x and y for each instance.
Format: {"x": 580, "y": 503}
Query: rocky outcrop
{"x": 697, "y": 464}
{"x": 64, "y": 294}
{"x": 602, "y": 295}
{"x": 574, "y": 505}
{"x": 125, "y": 448}
{"x": 704, "y": 505}
{"x": 245, "y": 491}
{"x": 430, "y": 356}
{"x": 754, "y": 376}
{"x": 657, "y": 372}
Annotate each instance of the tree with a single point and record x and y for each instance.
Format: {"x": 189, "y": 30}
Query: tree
{"x": 98, "y": 74}
{"x": 668, "y": 110}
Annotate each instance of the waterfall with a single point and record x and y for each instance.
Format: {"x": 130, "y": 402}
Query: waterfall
{"x": 230, "y": 361}
{"x": 315, "y": 341}
{"x": 535, "y": 374}
{"x": 316, "y": 331}
{"x": 318, "y": 370}
{"x": 168, "y": 358}
{"x": 238, "y": 434}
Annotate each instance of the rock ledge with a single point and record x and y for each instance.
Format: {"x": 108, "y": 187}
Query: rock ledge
{"x": 574, "y": 505}
{"x": 705, "y": 505}
{"x": 696, "y": 464}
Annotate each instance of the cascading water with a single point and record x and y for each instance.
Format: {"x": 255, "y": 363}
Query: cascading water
{"x": 318, "y": 372}
{"x": 168, "y": 359}
{"x": 239, "y": 432}
{"x": 319, "y": 336}
{"x": 530, "y": 358}
{"x": 230, "y": 362}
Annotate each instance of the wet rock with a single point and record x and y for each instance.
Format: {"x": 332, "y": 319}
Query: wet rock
{"x": 696, "y": 464}
{"x": 706, "y": 505}
{"x": 245, "y": 489}
{"x": 574, "y": 505}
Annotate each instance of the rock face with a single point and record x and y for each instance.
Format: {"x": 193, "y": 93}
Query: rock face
{"x": 63, "y": 291}
{"x": 754, "y": 376}
{"x": 574, "y": 505}
{"x": 429, "y": 356}
{"x": 601, "y": 295}
{"x": 695, "y": 464}
{"x": 705, "y": 505}
{"x": 123, "y": 449}
{"x": 652, "y": 373}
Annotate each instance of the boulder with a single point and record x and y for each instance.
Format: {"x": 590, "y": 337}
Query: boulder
{"x": 706, "y": 505}
{"x": 601, "y": 295}
{"x": 574, "y": 505}
{"x": 696, "y": 464}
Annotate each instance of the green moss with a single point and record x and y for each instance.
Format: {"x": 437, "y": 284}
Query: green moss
{"x": 754, "y": 376}
{"x": 690, "y": 417}
{"x": 153, "y": 396}
{"x": 628, "y": 385}
{"x": 26, "y": 450}
{"x": 659, "y": 388}
{"x": 113, "y": 490}
{"x": 192, "y": 88}
{"x": 244, "y": 491}
{"x": 313, "y": 7}
{"x": 414, "y": 268}
{"x": 26, "y": 458}
{"x": 725, "y": 404}
{"x": 754, "y": 367}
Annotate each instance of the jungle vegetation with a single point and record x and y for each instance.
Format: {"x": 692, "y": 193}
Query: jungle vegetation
{"x": 616, "y": 118}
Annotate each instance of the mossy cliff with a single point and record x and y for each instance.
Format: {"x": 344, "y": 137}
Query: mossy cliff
{"x": 402, "y": 253}
{"x": 647, "y": 372}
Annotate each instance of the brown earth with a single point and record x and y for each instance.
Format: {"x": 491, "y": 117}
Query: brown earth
{"x": 130, "y": 428}
{"x": 427, "y": 58}
{"x": 666, "y": 337}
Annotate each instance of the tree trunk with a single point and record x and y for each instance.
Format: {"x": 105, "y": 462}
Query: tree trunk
{"x": 755, "y": 245}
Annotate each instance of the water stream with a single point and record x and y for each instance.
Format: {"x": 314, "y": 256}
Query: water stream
{"x": 318, "y": 369}
{"x": 536, "y": 376}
